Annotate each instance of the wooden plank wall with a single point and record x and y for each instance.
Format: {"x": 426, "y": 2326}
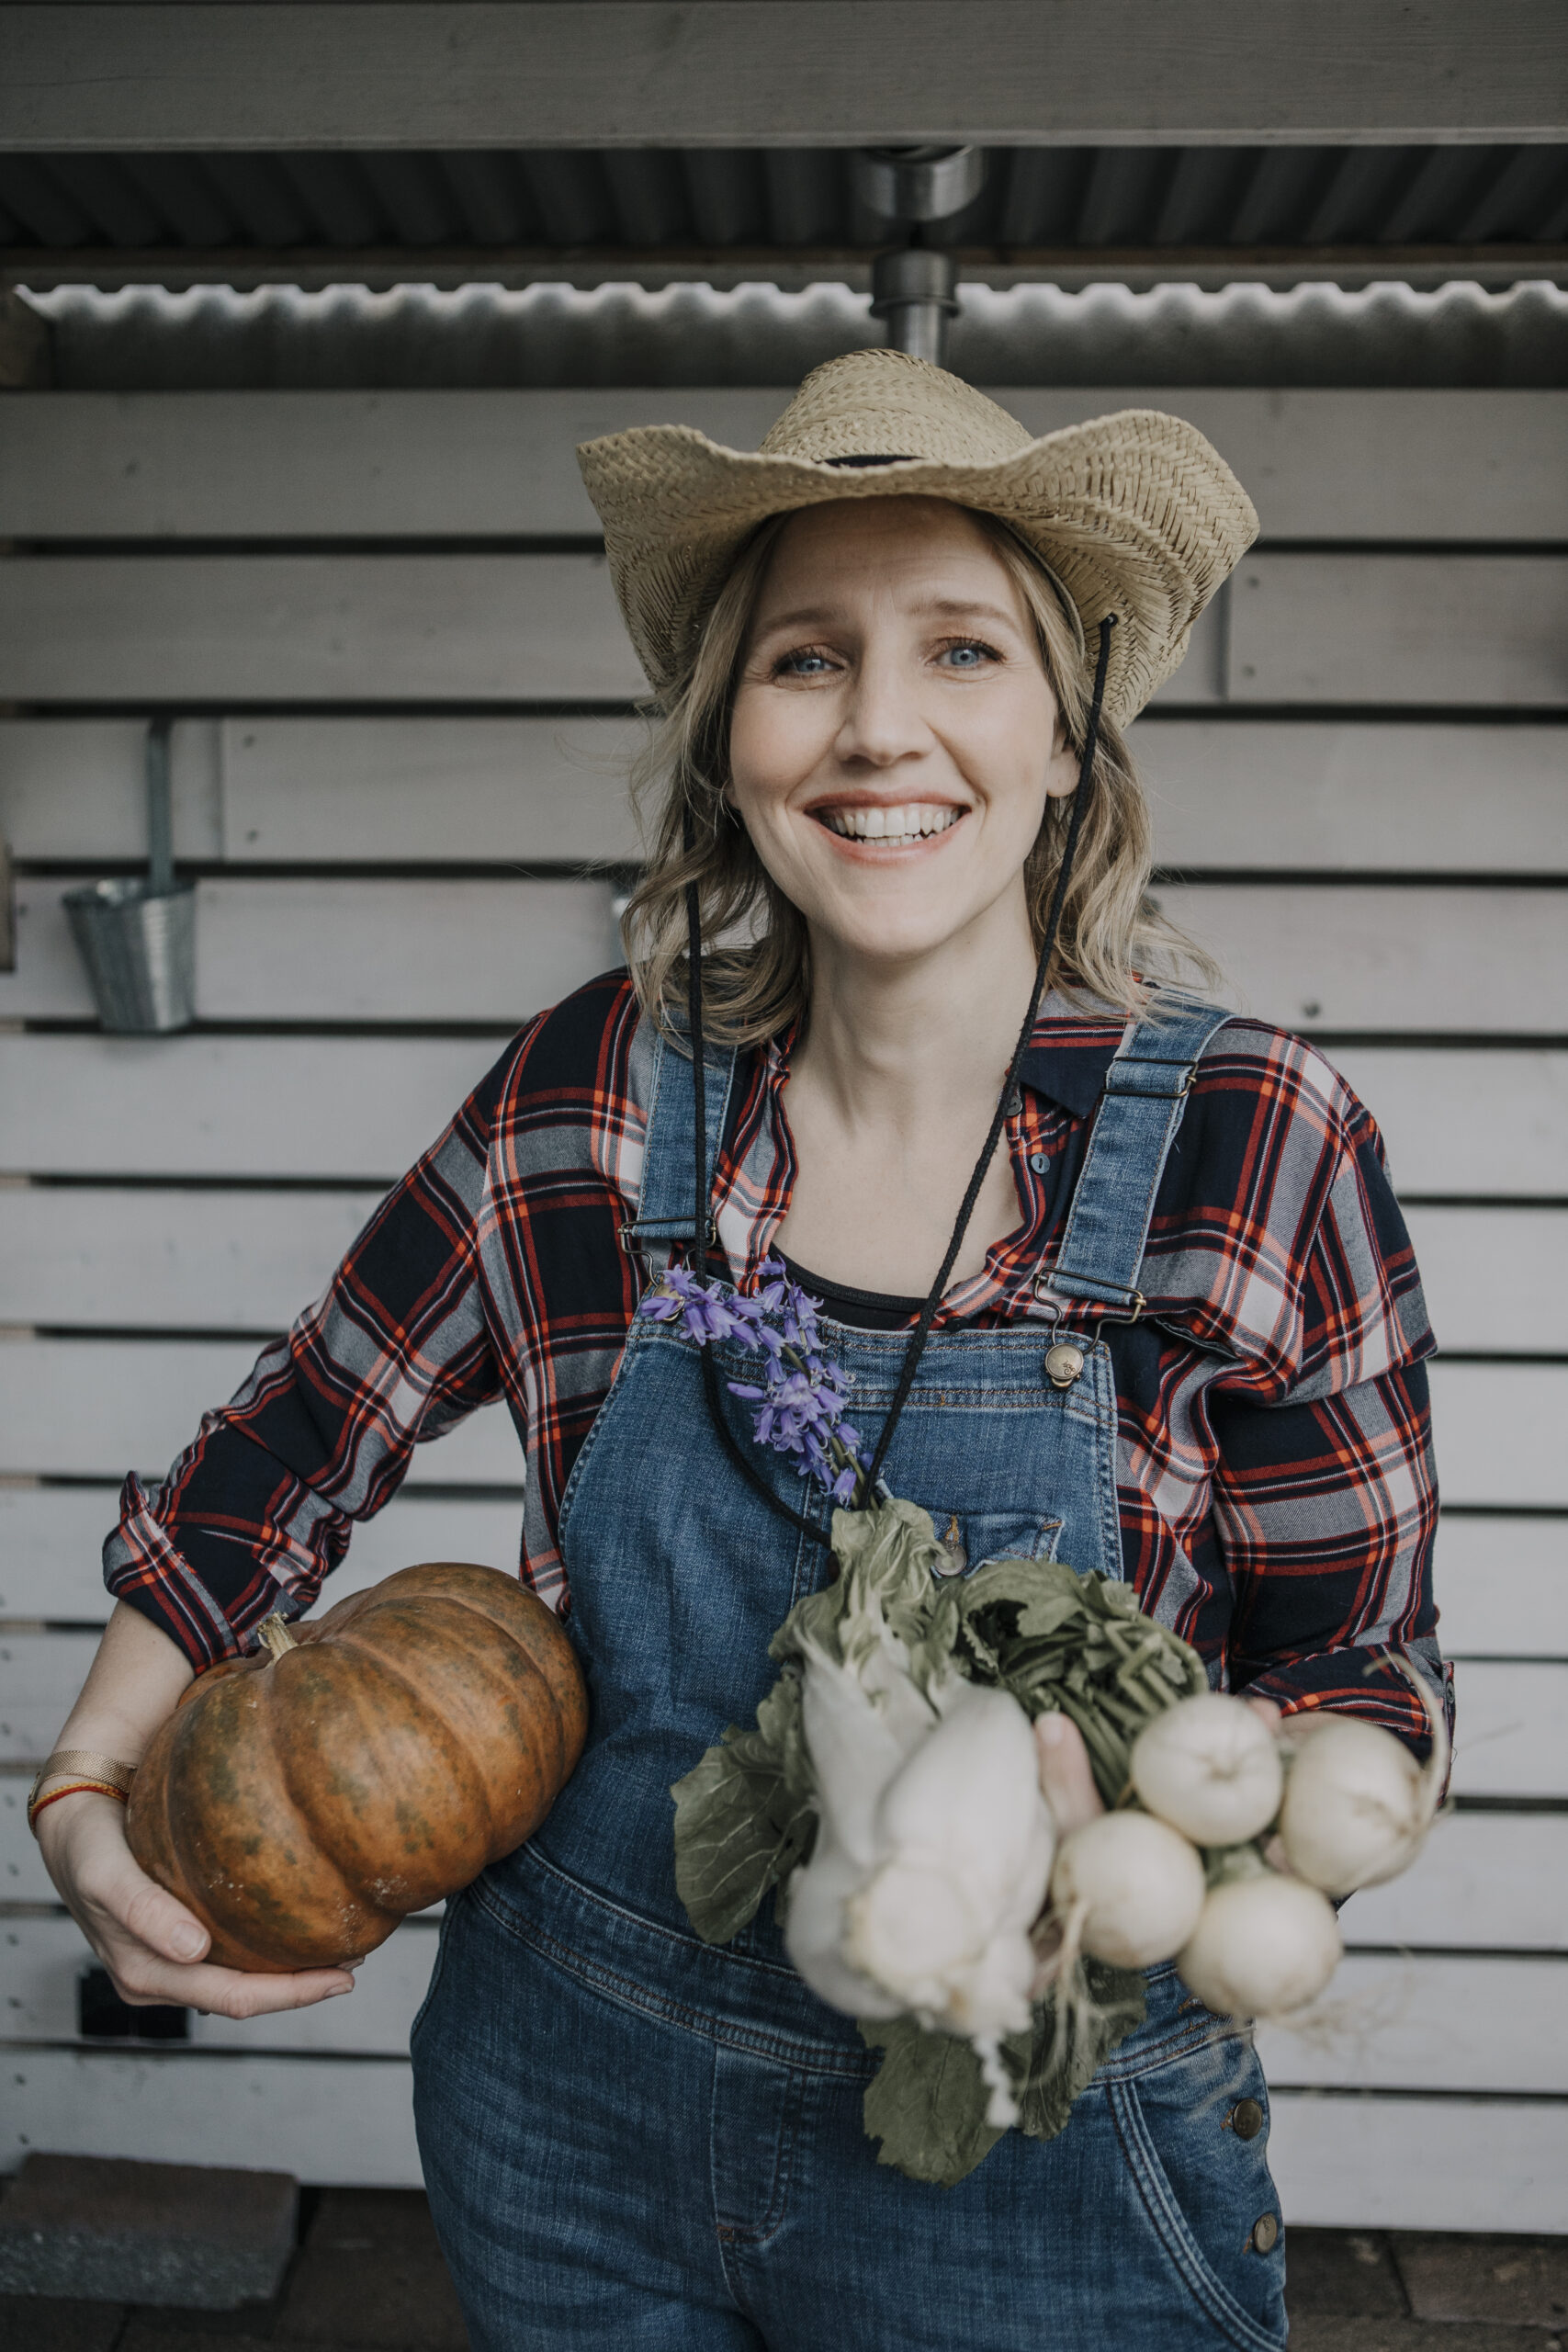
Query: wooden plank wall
{"x": 403, "y": 704}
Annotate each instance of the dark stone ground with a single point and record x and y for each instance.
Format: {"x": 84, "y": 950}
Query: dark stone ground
{"x": 369, "y": 2277}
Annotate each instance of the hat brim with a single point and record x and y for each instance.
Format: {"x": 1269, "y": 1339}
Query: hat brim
{"x": 1134, "y": 514}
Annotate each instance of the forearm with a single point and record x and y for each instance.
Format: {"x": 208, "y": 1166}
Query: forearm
{"x": 134, "y": 1683}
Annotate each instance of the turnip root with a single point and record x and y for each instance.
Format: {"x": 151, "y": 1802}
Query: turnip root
{"x": 1358, "y": 1806}
{"x": 1263, "y": 1946}
{"x": 1210, "y": 1767}
{"x": 1128, "y": 1889}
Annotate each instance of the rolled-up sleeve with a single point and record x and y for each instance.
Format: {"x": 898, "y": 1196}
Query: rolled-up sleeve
{"x": 260, "y": 1507}
{"x": 1325, "y": 1491}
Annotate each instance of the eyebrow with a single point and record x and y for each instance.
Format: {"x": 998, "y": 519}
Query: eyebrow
{"x": 974, "y": 608}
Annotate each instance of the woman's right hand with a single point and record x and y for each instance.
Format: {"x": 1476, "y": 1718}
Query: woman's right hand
{"x": 152, "y": 1946}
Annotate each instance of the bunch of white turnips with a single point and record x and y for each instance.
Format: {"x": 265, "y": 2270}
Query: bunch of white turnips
{"x": 937, "y": 1854}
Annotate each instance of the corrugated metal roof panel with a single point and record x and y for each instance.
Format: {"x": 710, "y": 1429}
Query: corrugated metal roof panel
{"x": 142, "y": 338}
{"x": 721, "y": 197}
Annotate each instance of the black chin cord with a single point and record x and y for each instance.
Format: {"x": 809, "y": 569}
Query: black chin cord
{"x": 703, "y": 1226}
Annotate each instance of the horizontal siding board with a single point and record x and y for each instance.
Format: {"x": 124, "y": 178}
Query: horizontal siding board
{"x": 343, "y": 2121}
{"x": 1234, "y": 793}
{"x": 249, "y": 1259}
{"x": 1345, "y": 2162}
{"x": 1449, "y": 631}
{"x": 370, "y": 951}
{"x": 1371, "y": 2163}
{"x": 1331, "y": 464}
{"x": 1329, "y": 797}
{"x": 1420, "y": 961}
{"x": 51, "y": 1541}
{"x": 316, "y": 628}
{"x": 1371, "y": 959}
{"x": 42, "y": 1962}
{"x": 361, "y": 1108}
{"x": 1474, "y": 1123}
{"x": 1502, "y": 1585}
{"x": 98, "y": 1407}
{"x": 1498, "y": 1430}
{"x": 1488, "y": 1881}
{"x": 366, "y": 1107}
{"x": 1428, "y": 2023}
{"x": 85, "y": 1408}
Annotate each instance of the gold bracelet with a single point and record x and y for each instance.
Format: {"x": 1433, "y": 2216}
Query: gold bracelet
{"x": 83, "y": 1788}
{"x": 82, "y": 1760}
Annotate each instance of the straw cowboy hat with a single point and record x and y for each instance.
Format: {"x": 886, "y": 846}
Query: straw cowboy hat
{"x": 1134, "y": 514}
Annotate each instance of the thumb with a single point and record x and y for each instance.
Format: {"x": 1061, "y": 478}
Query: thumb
{"x": 152, "y": 1914}
{"x": 1066, "y": 1783}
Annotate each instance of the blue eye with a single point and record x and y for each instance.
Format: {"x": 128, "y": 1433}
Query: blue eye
{"x": 801, "y": 665}
{"x": 971, "y": 655}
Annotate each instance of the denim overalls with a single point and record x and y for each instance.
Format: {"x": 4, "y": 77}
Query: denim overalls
{"x": 631, "y": 2138}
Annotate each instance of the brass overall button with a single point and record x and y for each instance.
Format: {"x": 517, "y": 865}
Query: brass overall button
{"x": 1246, "y": 2118}
{"x": 1063, "y": 1362}
{"x": 1264, "y": 2232}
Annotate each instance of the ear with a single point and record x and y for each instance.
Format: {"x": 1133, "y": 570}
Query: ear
{"x": 1062, "y": 773}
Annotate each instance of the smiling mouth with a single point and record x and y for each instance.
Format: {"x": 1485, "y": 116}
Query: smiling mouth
{"x": 915, "y": 820}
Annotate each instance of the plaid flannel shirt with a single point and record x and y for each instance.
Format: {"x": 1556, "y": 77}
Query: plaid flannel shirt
{"x": 1276, "y": 1483}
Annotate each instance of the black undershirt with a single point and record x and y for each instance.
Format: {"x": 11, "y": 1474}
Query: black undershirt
{"x": 862, "y": 1310}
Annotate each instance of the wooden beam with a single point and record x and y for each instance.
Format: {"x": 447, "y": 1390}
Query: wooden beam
{"x": 733, "y": 72}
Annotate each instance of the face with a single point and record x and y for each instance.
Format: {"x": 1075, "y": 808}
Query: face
{"x": 895, "y": 736}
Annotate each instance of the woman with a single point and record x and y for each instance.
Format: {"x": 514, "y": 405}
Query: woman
{"x": 1176, "y": 1333}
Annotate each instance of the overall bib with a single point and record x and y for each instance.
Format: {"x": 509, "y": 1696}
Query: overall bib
{"x": 633, "y": 2139}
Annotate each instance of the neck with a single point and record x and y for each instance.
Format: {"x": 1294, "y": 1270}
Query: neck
{"x": 900, "y": 1044}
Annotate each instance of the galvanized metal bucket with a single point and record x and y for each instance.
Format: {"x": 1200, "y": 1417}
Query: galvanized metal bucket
{"x": 137, "y": 938}
{"x": 139, "y": 945}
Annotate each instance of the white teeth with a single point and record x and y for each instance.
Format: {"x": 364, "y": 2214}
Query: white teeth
{"x": 914, "y": 821}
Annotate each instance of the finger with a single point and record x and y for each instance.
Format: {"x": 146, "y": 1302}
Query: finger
{"x": 1066, "y": 1783}
{"x": 150, "y": 1914}
{"x": 1269, "y": 1711}
{"x": 145, "y": 1982}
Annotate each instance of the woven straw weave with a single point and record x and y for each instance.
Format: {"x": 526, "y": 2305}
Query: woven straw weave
{"x": 1134, "y": 514}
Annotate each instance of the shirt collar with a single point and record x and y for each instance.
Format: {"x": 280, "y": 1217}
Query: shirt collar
{"x": 1068, "y": 1055}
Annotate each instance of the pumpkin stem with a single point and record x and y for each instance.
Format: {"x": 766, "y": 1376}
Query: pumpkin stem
{"x": 276, "y": 1636}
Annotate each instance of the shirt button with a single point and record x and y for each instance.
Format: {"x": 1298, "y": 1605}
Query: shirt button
{"x": 1264, "y": 2232}
{"x": 1246, "y": 2118}
{"x": 1039, "y": 1162}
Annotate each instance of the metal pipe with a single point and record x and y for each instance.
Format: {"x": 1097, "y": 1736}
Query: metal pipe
{"x": 914, "y": 289}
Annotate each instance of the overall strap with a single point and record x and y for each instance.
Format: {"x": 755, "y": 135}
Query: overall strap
{"x": 1146, "y": 1088}
{"x": 665, "y": 1212}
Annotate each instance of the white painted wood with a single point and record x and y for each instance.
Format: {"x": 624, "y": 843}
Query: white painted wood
{"x": 97, "y": 1407}
{"x": 1450, "y": 631}
{"x": 1325, "y": 797}
{"x": 1475, "y": 1124}
{"x": 363, "y": 1108}
{"x": 51, "y": 1541}
{"x": 1343, "y": 2162}
{"x": 346, "y": 951}
{"x": 1512, "y": 1739}
{"x": 598, "y": 73}
{"x": 41, "y": 1961}
{"x": 1374, "y": 959}
{"x": 1389, "y": 2022}
{"x": 22, "y": 1878}
{"x": 1494, "y": 1278}
{"x": 1502, "y": 1585}
{"x": 1236, "y": 792}
{"x": 75, "y": 788}
{"x": 40, "y": 1674}
{"x": 1421, "y": 961}
{"x": 357, "y": 791}
{"x": 1484, "y": 1880}
{"x": 1344, "y": 466}
{"x": 1497, "y": 1429}
{"x": 323, "y": 628}
{"x": 185, "y": 1261}
{"x": 346, "y": 2121}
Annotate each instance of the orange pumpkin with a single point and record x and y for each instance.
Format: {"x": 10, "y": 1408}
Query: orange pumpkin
{"x": 301, "y": 1803}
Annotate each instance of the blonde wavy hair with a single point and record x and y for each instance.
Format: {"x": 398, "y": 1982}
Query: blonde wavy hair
{"x": 1113, "y": 942}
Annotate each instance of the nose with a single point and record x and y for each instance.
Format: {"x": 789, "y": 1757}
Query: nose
{"x": 881, "y": 723}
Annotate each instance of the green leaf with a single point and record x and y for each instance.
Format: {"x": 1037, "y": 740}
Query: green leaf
{"x": 1066, "y": 2050}
{"x": 740, "y": 1828}
{"x": 927, "y": 2103}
